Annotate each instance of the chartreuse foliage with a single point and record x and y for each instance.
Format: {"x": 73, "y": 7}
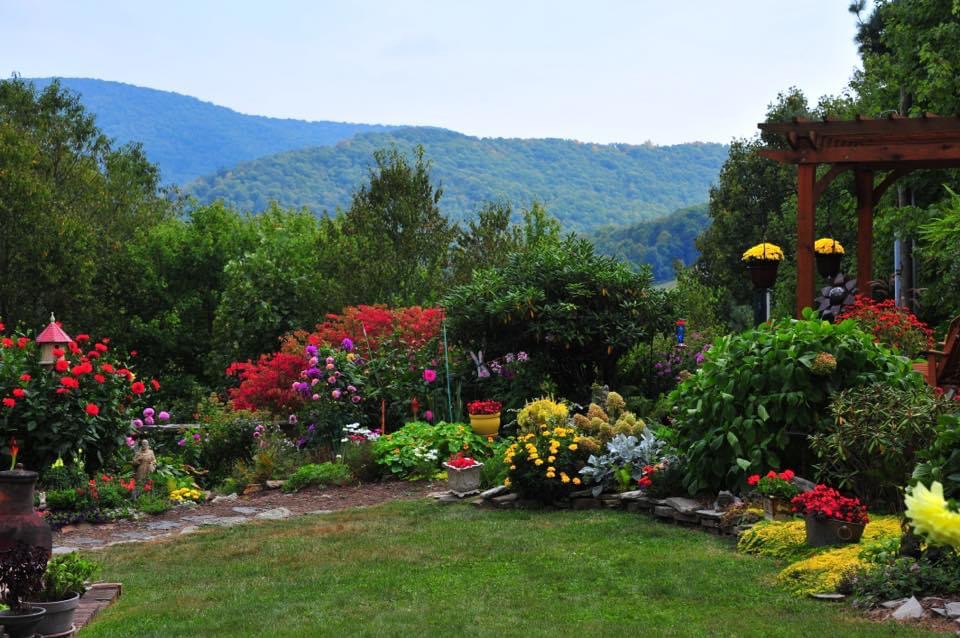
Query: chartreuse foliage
{"x": 457, "y": 570}
{"x": 737, "y": 413}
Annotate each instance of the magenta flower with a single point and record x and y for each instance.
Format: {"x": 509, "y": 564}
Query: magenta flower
{"x": 428, "y": 415}
{"x": 335, "y": 394}
{"x": 292, "y": 419}
{"x": 355, "y": 398}
{"x": 130, "y": 441}
{"x": 164, "y": 416}
{"x": 330, "y": 360}
{"x": 315, "y": 397}
{"x": 148, "y": 412}
{"x": 331, "y": 379}
{"x": 137, "y": 423}
{"x": 347, "y": 344}
{"x": 148, "y": 420}
{"x": 182, "y": 442}
{"x": 196, "y": 437}
{"x": 429, "y": 375}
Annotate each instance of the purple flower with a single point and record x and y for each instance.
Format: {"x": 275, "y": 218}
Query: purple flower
{"x": 312, "y": 427}
{"x": 330, "y": 360}
{"x": 164, "y": 416}
{"x": 508, "y": 357}
{"x": 522, "y": 356}
{"x": 355, "y": 398}
{"x": 292, "y": 419}
{"x": 196, "y": 437}
{"x": 301, "y": 441}
{"x": 347, "y": 344}
{"x": 148, "y": 412}
{"x": 137, "y": 423}
{"x": 351, "y": 388}
{"x": 182, "y": 442}
{"x": 313, "y": 372}
{"x": 312, "y": 350}
{"x": 428, "y": 415}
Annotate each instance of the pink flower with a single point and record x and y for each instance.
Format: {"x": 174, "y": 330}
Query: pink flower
{"x": 130, "y": 441}
{"x": 164, "y": 416}
{"x": 315, "y": 397}
{"x": 148, "y": 412}
{"x": 182, "y": 442}
{"x": 331, "y": 380}
{"x": 428, "y": 415}
{"x": 137, "y": 423}
{"x": 429, "y": 375}
{"x": 335, "y": 394}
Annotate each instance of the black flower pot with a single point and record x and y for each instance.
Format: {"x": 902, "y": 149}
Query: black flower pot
{"x": 763, "y": 272}
{"x": 828, "y": 265}
{"x": 831, "y": 531}
{"x": 22, "y": 623}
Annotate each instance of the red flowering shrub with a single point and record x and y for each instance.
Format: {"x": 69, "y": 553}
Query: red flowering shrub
{"x": 267, "y": 384}
{"x": 461, "y": 462}
{"x": 826, "y": 502}
{"x": 775, "y": 485}
{"x": 79, "y": 403}
{"x": 890, "y": 325}
{"x": 368, "y": 327}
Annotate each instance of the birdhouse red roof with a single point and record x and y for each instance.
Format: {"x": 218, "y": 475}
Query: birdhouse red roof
{"x": 53, "y": 334}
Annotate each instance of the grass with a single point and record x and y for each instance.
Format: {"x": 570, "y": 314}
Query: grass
{"x": 424, "y": 569}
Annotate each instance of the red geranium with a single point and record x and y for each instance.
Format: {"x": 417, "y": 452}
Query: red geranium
{"x": 461, "y": 462}
{"x": 92, "y": 409}
{"x": 484, "y": 407}
{"x": 18, "y": 392}
{"x": 137, "y": 387}
{"x": 62, "y": 365}
{"x": 8, "y": 402}
{"x": 826, "y": 502}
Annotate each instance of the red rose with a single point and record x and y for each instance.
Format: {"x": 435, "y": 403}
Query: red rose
{"x": 137, "y": 387}
{"x": 18, "y": 392}
{"x": 58, "y": 352}
{"x": 106, "y": 367}
{"x": 7, "y": 342}
{"x": 83, "y": 337}
{"x": 8, "y": 402}
{"x": 62, "y": 365}
{"x": 22, "y": 342}
{"x": 99, "y": 378}
{"x": 92, "y": 409}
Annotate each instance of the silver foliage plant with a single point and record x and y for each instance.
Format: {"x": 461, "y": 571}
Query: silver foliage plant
{"x": 624, "y": 461}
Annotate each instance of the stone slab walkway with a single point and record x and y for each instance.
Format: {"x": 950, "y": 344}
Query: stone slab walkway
{"x": 226, "y": 511}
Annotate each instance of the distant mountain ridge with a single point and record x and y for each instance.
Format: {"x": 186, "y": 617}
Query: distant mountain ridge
{"x": 584, "y": 185}
{"x": 188, "y": 137}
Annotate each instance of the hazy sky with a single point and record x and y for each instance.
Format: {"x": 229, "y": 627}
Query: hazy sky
{"x": 594, "y": 70}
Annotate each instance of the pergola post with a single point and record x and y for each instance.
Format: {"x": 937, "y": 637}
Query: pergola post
{"x": 863, "y": 180}
{"x": 806, "y": 215}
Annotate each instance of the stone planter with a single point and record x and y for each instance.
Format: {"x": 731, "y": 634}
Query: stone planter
{"x": 777, "y": 509}
{"x": 830, "y": 531}
{"x": 465, "y": 481}
{"x": 763, "y": 272}
{"x": 485, "y": 424}
{"x": 828, "y": 264}
{"x": 59, "y": 617}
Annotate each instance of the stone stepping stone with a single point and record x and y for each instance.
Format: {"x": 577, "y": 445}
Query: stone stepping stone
{"x": 84, "y": 540}
{"x": 63, "y": 549}
{"x": 225, "y": 521}
{"x": 163, "y": 525}
{"x": 276, "y": 514}
{"x": 199, "y": 518}
{"x": 320, "y": 512}
{"x": 246, "y": 511}
{"x": 136, "y": 536}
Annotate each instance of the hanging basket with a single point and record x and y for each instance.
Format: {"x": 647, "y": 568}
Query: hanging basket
{"x": 828, "y": 264}
{"x": 763, "y": 272}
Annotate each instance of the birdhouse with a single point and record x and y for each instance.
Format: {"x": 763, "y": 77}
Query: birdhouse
{"x": 51, "y": 338}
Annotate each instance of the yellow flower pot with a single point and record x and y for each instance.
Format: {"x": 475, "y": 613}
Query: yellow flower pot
{"x": 485, "y": 424}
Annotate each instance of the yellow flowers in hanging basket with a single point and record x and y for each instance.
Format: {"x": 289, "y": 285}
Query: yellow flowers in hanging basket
{"x": 827, "y": 246}
{"x": 763, "y": 252}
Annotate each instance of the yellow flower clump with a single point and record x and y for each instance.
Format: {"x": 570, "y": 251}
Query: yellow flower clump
{"x": 927, "y": 509}
{"x": 186, "y": 494}
{"x": 542, "y": 414}
{"x": 827, "y": 246}
{"x": 763, "y": 252}
{"x": 822, "y": 572}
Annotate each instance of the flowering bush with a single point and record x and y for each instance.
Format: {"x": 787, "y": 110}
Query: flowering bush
{"x": 826, "y": 502}
{"x": 763, "y": 252}
{"x": 890, "y": 325}
{"x": 542, "y": 414}
{"x": 182, "y": 494}
{"x": 775, "y": 485}
{"x": 545, "y": 465}
{"x": 268, "y": 383}
{"x": 367, "y": 328}
{"x": 81, "y": 402}
{"x": 484, "y": 407}
{"x": 663, "y": 479}
{"x": 331, "y": 388}
{"x": 417, "y": 448}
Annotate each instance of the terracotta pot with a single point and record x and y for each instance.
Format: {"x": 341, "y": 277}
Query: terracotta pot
{"x": 19, "y": 523}
{"x": 830, "y": 531}
{"x": 763, "y": 272}
{"x": 828, "y": 265}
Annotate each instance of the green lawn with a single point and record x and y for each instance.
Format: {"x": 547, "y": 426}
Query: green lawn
{"x": 423, "y": 569}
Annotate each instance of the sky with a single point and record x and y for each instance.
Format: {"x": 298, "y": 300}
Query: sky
{"x": 604, "y": 71}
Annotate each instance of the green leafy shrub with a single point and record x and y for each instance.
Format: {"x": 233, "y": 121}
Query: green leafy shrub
{"x": 494, "y": 469}
{"x": 62, "y": 477}
{"x": 153, "y": 503}
{"x": 359, "y": 457}
{"x": 227, "y": 437}
{"x": 65, "y": 500}
{"x": 419, "y": 448}
{"x": 66, "y": 575}
{"x": 869, "y": 447}
{"x": 757, "y": 397}
{"x": 941, "y": 458}
{"x": 874, "y": 584}
{"x": 318, "y": 475}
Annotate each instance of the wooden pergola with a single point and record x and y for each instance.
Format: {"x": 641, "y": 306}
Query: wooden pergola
{"x": 878, "y": 151}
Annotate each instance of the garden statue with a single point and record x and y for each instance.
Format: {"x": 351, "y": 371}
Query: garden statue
{"x": 144, "y": 463}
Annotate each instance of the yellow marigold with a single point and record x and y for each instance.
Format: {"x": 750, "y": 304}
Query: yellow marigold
{"x": 931, "y": 517}
{"x": 538, "y": 462}
{"x": 572, "y": 447}
{"x": 576, "y": 481}
{"x": 551, "y": 459}
{"x": 763, "y": 252}
{"x": 827, "y": 246}
{"x": 564, "y": 478}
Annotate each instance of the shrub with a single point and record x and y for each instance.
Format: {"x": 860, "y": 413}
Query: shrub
{"x": 318, "y": 475}
{"x": 152, "y": 503}
{"x": 62, "y": 477}
{"x": 756, "y": 398}
{"x": 890, "y": 325}
{"x": 544, "y": 465}
{"x": 66, "y": 575}
{"x": 266, "y": 384}
{"x": 941, "y": 458}
{"x": 227, "y": 437}
{"x": 494, "y": 469}
{"x": 603, "y": 423}
{"x": 542, "y": 414}
{"x": 359, "y": 458}
{"x": 79, "y": 403}
{"x": 419, "y": 448}
{"x": 623, "y": 464}
{"x": 869, "y": 447}
{"x": 664, "y": 479}
{"x": 871, "y": 585}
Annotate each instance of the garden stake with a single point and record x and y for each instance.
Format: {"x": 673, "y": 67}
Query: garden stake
{"x": 446, "y": 364}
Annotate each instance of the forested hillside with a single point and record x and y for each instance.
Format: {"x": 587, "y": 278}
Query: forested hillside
{"x": 657, "y": 242}
{"x": 583, "y": 185}
{"x": 187, "y": 137}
